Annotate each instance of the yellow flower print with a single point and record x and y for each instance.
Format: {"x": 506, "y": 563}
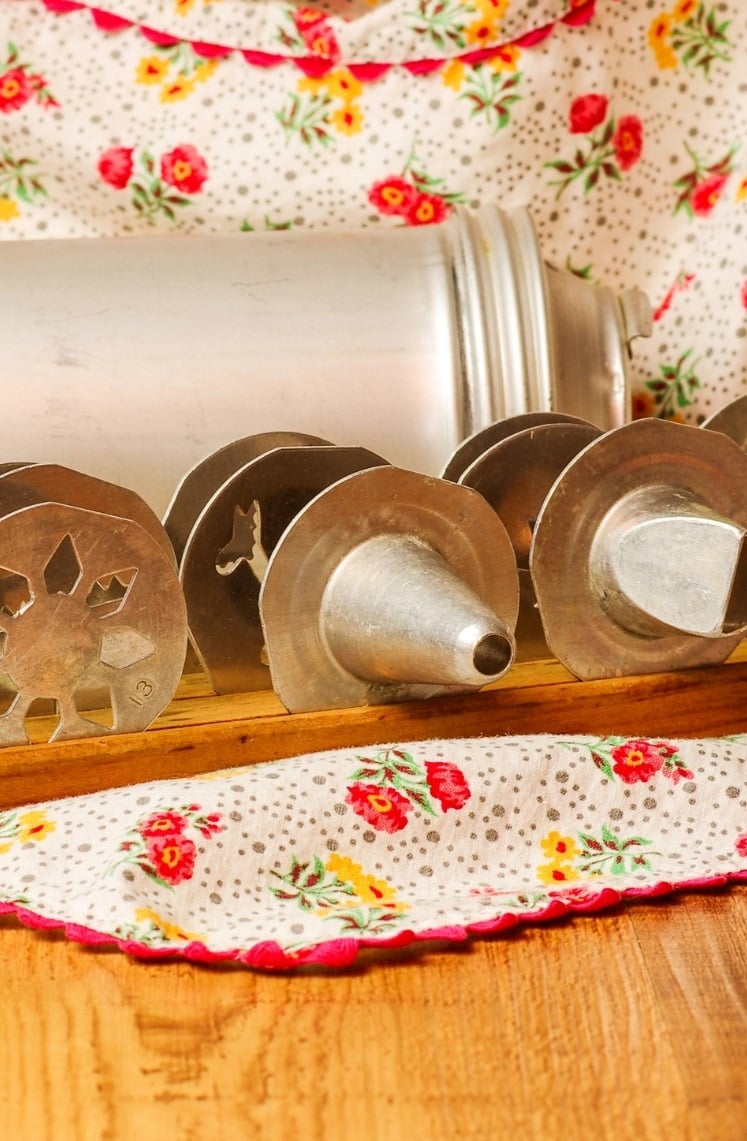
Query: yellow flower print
{"x": 740, "y": 195}
{"x": 168, "y": 930}
{"x": 453, "y": 74}
{"x": 557, "y": 847}
{"x": 557, "y": 873}
{"x": 183, "y": 7}
{"x": 658, "y": 41}
{"x": 5, "y": 848}
{"x": 311, "y": 84}
{"x": 348, "y": 120}
{"x": 367, "y": 888}
{"x": 179, "y": 88}
{"x": 204, "y": 70}
{"x": 480, "y": 32}
{"x": 342, "y": 84}
{"x": 560, "y": 850}
{"x": 8, "y": 209}
{"x": 34, "y": 826}
{"x": 151, "y": 69}
{"x": 493, "y": 10}
{"x": 505, "y": 59}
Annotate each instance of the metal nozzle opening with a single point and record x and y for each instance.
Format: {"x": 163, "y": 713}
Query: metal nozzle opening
{"x": 493, "y": 655}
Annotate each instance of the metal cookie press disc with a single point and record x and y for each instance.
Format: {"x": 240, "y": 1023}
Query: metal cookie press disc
{"x": 732, "y": 421}
{"x": 514, "y": 476}
{"x": 24, "y": 484}
{"x": 226, "y": 552}
{"x": 389, "y": 586}
{"x": 205, "y": 478}
{"x": 89, "y": 603}
{"x": 638, "y": 556}
{"x": 476, "y": 445}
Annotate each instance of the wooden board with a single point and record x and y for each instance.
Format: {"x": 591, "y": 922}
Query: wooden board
{"x": 623, "y": 1026}
{"x": 200, "y": 732}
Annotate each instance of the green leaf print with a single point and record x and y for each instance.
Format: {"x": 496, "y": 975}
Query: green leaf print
{"x": 442, "y": 22}
{"x": 492, "y": 95}
{"x": 311, "y": 885}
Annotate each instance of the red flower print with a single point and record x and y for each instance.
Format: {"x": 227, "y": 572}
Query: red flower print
{"x": 163, "y": 824}
{"x": 577, "y": 895}
{"x": 743, "y": 294}
{"x": 115, "y": 166}
{"x": 172, "y": 857}
{"x": 15, "y": 89}
{"x": 447, "y": 784}
{"x": 586, "y": 113}
{"x": 384, "y": 808}
{"x": 638, "y": 760}
{"x": 305, "y": 18}
{"x": 558, "y": 873}
{"x": 707, "y": 193}
{"x": 628, "y": 141}
{"x": 392, "y": 195}
{"x": 321, "y": 42}
{"x": 184, "y": 168}
{"x": 208, "y": 825}
{"x": 679, "y": 773}
{"x": 426, "y": 209}
{"x": 741, "y": 845}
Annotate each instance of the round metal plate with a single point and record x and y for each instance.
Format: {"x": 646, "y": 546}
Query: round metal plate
{"x": 514, "y": 476}
{"x": 24, "y": 484}
{"x": 645, "y": 453}
{"x": 474, "y": 446}
{"x": 209, "y": 475}
{"x": 223, "y": 561}
{"x": 454, "y": 521}
{"x": 88, "y": 604}
{"x": 732, "y": 421}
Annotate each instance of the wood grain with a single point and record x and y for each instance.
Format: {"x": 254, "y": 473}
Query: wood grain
{"x": 200, "y": 732}
{"x": 624, "y": 1026}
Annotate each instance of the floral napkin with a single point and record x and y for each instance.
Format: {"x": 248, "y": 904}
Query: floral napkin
{"x": 309, "y": 859}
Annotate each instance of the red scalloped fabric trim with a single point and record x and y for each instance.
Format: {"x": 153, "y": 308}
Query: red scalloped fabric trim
{"x": 313, "y": 66}
{"x": 338, "y": 953}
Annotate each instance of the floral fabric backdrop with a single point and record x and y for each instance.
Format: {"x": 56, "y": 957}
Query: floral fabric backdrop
{"x": 311, "y": 859}
{"x": 620, "y": 124}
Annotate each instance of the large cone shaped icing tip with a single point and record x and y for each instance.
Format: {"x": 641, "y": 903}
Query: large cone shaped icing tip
{"x": 394, "y": 610}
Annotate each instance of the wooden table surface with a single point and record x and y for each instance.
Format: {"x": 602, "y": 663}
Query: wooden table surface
{"x": 625, "y": 1024}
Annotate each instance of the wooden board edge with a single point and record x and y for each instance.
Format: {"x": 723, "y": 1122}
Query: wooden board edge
{"x": 704, "y": 702}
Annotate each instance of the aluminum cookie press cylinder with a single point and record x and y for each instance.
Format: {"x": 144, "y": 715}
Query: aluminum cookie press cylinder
{"x": 522, "y": 458}
{"x": 93, "y": 626}
{"x": 170, "y": 343}
{"x": 224, "y": 544}
{"x": 389, "y": 586}
{"x": 638, "y": 556}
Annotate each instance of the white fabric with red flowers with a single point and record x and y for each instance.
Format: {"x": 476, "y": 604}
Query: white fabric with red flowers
{"x": 314, "y": 858}
{"x": 620, "y": 124}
